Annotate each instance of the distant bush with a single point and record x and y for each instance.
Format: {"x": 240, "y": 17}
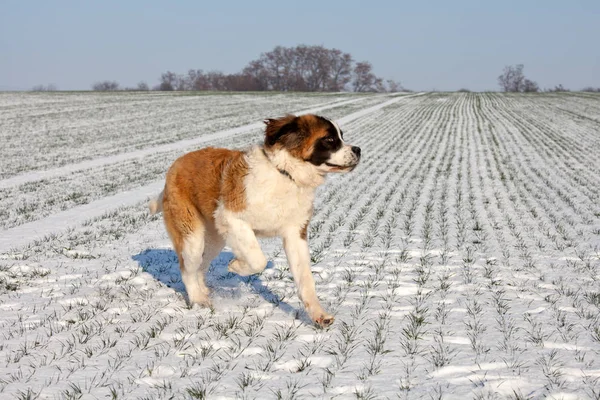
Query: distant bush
{"x": 105, "y": 86}
{"x": 141, "y": 87}
{"x": 591, "y": 89}
{"x": 463, "y": 90}
{"x": 41, "y": 88}
{"x": 558, "y": 88}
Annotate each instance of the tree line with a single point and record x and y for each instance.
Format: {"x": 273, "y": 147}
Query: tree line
{"x": 513, "y": 79}
{"x": 303, "y": 69}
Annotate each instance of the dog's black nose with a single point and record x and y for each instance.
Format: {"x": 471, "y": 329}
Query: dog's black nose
{"x": 356, "y": 150}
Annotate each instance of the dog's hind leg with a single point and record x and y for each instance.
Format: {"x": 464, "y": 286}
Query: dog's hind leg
{"x": 192, "y": 253}
{"x": 213, "y": 244}
{"x": 187, "y": 230}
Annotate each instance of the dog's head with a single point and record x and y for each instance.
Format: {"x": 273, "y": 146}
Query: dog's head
{"x": 313, "y": 139}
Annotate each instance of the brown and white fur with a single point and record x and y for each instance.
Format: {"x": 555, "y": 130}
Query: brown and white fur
{"x": 216, "y": 197}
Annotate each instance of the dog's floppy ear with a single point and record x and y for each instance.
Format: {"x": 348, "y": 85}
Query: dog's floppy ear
{"x": 276, "y": 128}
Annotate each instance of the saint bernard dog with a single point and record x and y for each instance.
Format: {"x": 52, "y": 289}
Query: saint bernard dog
{"x": 216, "y": 197}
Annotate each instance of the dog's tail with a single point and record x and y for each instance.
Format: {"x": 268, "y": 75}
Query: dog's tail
{"x": 155, "y": 204}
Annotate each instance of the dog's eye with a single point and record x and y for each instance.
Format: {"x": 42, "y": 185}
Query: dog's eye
{"x": 329, "y": 139}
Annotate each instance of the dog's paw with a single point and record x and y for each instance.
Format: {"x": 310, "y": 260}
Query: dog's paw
{"x": 244, "y": 269}
{"x": 324, "y": 320}
{"x": 238, "y": 267}
{"x": 200, "y": 301}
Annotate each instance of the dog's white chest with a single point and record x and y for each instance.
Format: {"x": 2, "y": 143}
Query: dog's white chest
{"x": 274, "y": 203}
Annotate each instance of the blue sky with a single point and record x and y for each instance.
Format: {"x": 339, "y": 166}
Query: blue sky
{"x": 442, "y": 45}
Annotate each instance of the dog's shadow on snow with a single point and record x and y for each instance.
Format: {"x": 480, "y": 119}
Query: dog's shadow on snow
{"x": 163, "y": 265}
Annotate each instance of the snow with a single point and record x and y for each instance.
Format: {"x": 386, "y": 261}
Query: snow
{"x": 461, "y": 260}
{"x": 21, "y": 235}
{"x": 138, "y": 154}
{"x": 36, "y": 230}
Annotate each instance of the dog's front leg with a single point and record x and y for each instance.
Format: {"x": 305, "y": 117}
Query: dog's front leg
{"x": 298, "y": 255}
{"x": 249, "y": 258}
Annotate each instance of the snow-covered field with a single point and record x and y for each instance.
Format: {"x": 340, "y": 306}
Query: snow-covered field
{"x": 461, "y": 259}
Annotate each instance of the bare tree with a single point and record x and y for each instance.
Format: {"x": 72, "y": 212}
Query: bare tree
{"x": 278, "y": 65}
{"x": 217, "y": 80}
{"x": 378, "y": 86}
{"x": 340, "y": 70}
{"x": 301, "y": 68}
{"x": 195, "y": 80}
{"x": 105, "y": 86}
{"x": 505, "y": 80}
{"x": 394, "y": 86}
{"x": 512, "y": 78}
{"x": 364, "y": 79}
{"x": 170, "y": 81}
{"x": 530, "y": 86}
{"x": 142, "y": 86}
{"x": 258, "y": 74}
